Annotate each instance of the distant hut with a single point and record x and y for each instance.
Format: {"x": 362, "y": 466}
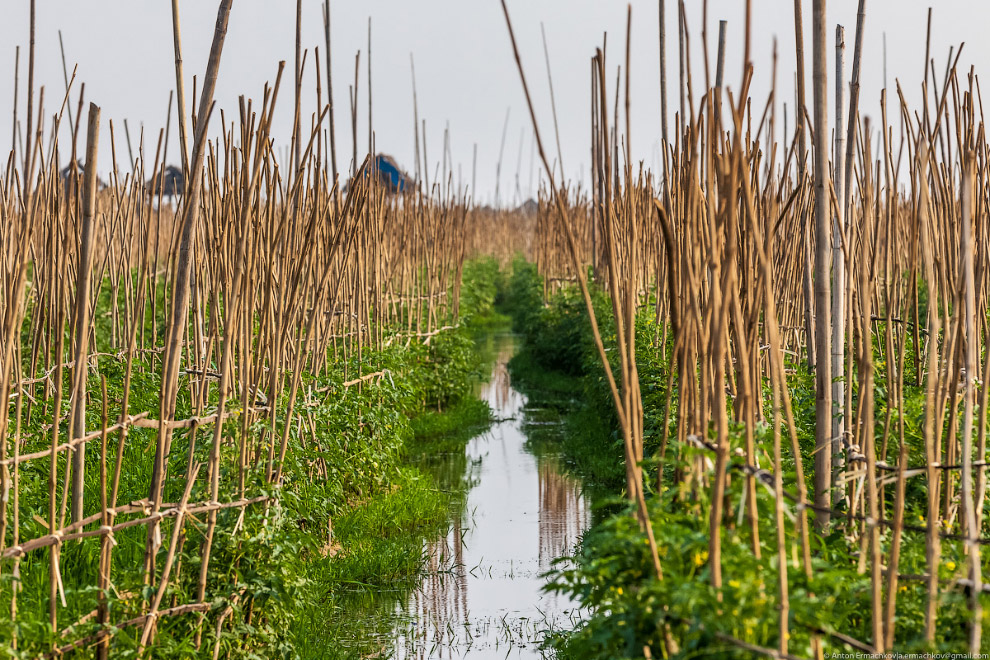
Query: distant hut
{"x": 72, "y": 174}
{"x": 529, "y": 207}
{"x": 172, "y": 185}
{"x": 391, "y": 175}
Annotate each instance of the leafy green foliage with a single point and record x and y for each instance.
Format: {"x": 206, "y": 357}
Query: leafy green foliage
{"x": 277, "y": 574}
{"x": 611, "y": 574}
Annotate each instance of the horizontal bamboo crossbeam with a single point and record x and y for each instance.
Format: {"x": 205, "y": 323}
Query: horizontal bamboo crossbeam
{"x": 766, "y": 477}
{"x": 140, "y": 420}
{"x": 48, "y": 373}
{"x": 61, "y": 537}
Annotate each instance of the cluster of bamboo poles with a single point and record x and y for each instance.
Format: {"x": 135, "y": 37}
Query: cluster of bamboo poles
{"x": 753, "y": 263}
{"x": 260, "y": 274}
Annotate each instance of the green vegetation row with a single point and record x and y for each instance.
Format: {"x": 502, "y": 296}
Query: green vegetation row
{"x": 611, "y": 573}
{"x": 351, "y": 513}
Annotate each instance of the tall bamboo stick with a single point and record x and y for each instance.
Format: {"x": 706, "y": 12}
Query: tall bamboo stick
{"x": 823, "y": 337}
{"x": 180, "y": 90}
{"x": 838, "y": 309}
{"x": 82, "y": 311}
{"x": 183, "y": 270}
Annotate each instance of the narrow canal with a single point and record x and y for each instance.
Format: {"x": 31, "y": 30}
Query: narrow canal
{"x": 482, "y": 595}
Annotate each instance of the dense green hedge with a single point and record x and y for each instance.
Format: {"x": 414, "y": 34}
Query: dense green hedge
{"x": 611, "y": 573}
{"x": 277, "y": 568}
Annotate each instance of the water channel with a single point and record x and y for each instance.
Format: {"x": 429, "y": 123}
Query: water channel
{"x": 482, "y": 595}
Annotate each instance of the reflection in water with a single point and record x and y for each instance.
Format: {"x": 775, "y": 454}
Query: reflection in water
{"x": 482, "y": 596}
{"x": 564, "y": 513}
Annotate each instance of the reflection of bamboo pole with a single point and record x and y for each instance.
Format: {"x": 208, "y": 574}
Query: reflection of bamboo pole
{"x": 561, "y": 517}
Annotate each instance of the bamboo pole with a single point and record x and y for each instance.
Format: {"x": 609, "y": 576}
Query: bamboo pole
{"x": 65, "y": 78}
{"x": 823, "y": 338}
{"x": 663, "y": 74}
{"x": 296, "y": 126}
{"x": 553, "y": 106}
{"x": 180, "y": 90}
{"x": 800, "y": 114}
{"x": 183, "y": 271}
{"x": 838, "y": 308}
{"x": 333, "y": 138}
{"x": 969, "y": 505}
{"x": 17, "y": 77}
{"x": 854, "y": 87}
{"x": 82, "y": 311}
{"x": 28, "y": 154}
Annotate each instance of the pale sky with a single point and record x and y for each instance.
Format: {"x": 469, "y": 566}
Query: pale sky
{"x": 465, "y": 72}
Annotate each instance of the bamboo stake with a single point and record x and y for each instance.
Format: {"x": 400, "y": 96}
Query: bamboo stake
{"x": 82, "y": 311}
{"x": 972, "y": 549}
{"x": 823, "y": 338}
{"x": 333, "y": 139}
{"x": 180, "y": 90}
{"x": 801, "y": 112}
{"x": 663, "y": 74}
{"x": 838, "y": 320}
{"x": 183, "y": 271}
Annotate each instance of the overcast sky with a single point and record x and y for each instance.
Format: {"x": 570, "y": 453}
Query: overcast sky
{"x": 466, "y": 76}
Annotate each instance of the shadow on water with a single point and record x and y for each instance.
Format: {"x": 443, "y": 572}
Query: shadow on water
{"x": 481, "y": 596}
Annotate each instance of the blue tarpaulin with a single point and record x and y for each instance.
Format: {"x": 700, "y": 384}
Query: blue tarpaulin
{"x": 391, "y": 175}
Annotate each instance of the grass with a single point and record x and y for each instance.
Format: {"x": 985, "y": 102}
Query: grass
{"x": 380, "y": 542}
{"x": 380, "y": 551}
{"x": 375, "y": 566}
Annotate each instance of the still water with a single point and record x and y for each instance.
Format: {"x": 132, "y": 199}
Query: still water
{"x": 482, "y": 594}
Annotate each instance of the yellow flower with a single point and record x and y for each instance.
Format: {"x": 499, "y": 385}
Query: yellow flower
{"x": 902, "y": 589}
{"x": 700, "y": 557}
{"x": 951, "y": 565}
{"x": 734, "y": 584}
{"x": 619, "y": 591}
